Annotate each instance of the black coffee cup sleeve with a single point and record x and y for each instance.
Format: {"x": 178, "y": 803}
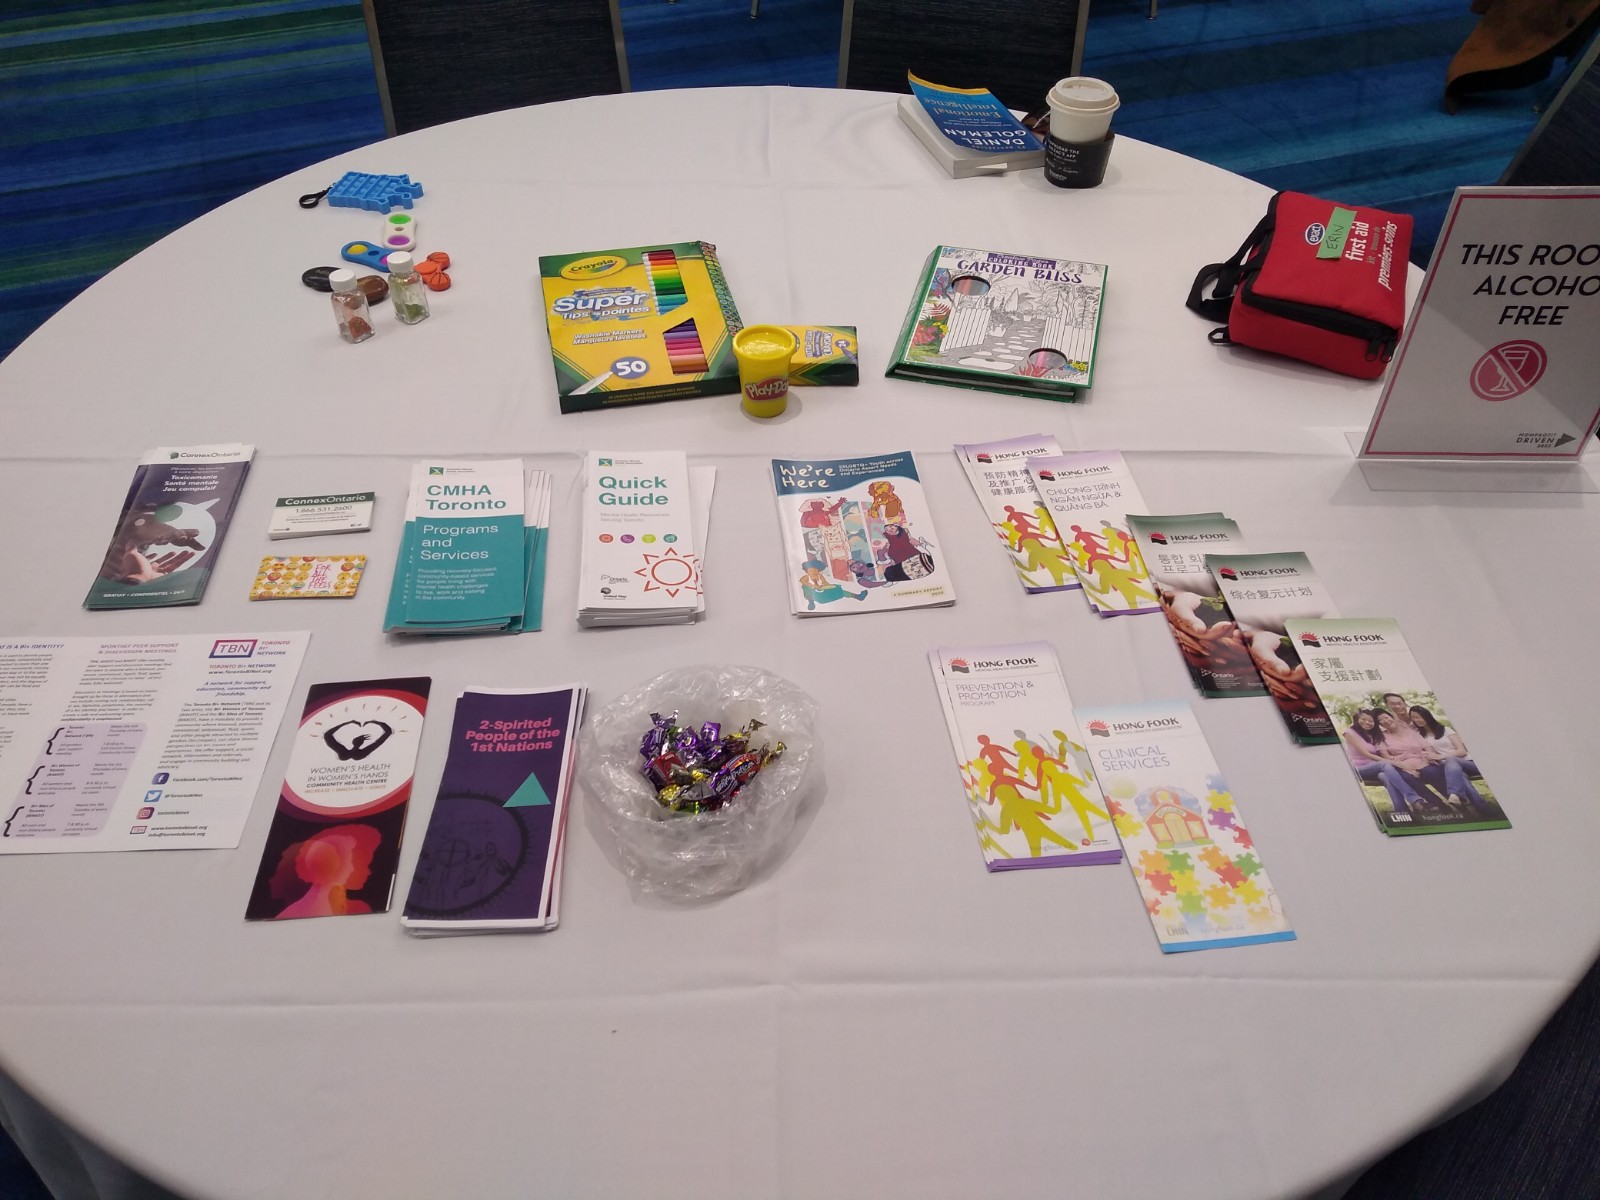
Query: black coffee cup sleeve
{"x": 1077, "y": 164}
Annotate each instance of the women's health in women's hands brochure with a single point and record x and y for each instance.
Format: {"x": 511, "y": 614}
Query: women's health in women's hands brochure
{"x": 1198, "y": 869}
{"x": 1031, "y": 792}
{"x": 1412, "y": 764}
{"x": 998, "y": 473}
{"x": 171, "y": 525}
{"x": 334, "y": 844}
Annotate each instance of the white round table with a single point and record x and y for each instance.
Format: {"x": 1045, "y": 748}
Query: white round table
{"x": 874, "y": 1016}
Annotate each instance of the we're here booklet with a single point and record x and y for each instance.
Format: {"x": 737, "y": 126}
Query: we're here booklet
{"x": 858, "y": 536}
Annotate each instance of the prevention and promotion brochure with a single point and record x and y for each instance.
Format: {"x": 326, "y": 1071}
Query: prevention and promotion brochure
{"x": 1263, "y": 591}
{"x": 1090, "y": 495}
{"x": 137, "y": 743}
{"x": 857, "y": 536}
{"x": 1199, "y": 875}
{"x": 172, "y": 523}
{"x": 334, "y": 843}
{"x": 640, "y": 563}
{"x": 471, "y": 552}
{"x": 1416, "y": 772}
{"x": 1174, "y": 549}
{"x": 491, "y": 859}
{"x": 998, "y": 473}
{"x": 1032, "y": 794}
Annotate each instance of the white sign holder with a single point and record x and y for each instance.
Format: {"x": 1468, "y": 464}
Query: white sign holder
{"x": 1496, "y": 386}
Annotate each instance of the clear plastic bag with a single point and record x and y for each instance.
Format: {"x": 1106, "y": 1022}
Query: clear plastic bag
{"x": 690, "y": 856}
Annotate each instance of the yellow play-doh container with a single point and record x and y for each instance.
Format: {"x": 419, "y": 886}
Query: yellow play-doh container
{"x": 763, "y": 352}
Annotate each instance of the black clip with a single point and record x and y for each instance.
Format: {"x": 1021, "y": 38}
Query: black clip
{"x": 312, "y": 199}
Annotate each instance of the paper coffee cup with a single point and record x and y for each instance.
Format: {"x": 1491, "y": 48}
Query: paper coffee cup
{"x": 763, "y": 353}
{"x": 1081, "y": 108}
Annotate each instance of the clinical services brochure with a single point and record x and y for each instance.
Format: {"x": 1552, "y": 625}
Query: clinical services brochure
{"x": 1263, "y": 591}
{"x": 334, "y": 844}
{"x": 1413, "y": 765}
{"x": 1030, "y": 790}
{"x": 1174, "y": 548}
{"x": 998, "y": 473}
{"x": 171, "y": 526}
{"x": 857, "y": 535}
{"x": 1199, "y": 872}
{"x": 491, "y": 858}
{"x": 1090, "y": 495}
{"x": 137, "y": 743}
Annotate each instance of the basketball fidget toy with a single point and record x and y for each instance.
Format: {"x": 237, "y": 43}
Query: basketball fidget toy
{"x": 684, "y": 351}
{"x": 666, "y": 282}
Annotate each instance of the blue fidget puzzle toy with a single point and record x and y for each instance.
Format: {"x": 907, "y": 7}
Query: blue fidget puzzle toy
{"x": 365, "y": 254}
{"x": 375, "y": 193}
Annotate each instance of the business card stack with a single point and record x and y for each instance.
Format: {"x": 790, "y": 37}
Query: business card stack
{"x": 472, "y": 554}
{"x": 645, "y": 517}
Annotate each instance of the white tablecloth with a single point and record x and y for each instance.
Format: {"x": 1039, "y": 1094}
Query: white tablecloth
{"x": 875, "y": 1016}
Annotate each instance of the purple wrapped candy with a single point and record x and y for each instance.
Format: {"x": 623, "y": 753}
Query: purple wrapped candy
{"x": 710, "y": 733}
{"x": 656, "y": 739}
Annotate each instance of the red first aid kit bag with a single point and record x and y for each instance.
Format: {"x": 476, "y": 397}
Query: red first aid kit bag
{"x": 1317, "y": 281}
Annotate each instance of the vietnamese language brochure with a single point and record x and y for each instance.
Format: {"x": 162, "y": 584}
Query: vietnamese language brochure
{"x": 1090, "y": 495}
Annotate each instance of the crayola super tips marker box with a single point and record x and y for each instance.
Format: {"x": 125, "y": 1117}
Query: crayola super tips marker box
{"x": 637, "y": 325}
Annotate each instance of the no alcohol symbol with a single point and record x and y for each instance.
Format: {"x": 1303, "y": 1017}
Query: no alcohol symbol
{"x": 1508, "y": 370}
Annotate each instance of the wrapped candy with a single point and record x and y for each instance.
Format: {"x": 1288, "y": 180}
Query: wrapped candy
{"x": 700, "y": 770}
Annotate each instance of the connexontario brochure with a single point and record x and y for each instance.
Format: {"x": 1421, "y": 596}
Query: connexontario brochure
{"x": 172, "y": 522}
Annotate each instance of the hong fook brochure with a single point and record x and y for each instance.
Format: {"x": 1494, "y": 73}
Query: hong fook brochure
{"x": 1199, "y": 872}
{"x": 1414, "y": 767}
{"x": 1031, "y": 793}
{"x": 1263, "y": 592}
